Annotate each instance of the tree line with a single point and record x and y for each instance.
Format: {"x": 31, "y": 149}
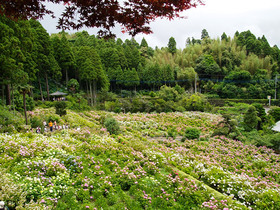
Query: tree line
{"x": 35, "y": 63}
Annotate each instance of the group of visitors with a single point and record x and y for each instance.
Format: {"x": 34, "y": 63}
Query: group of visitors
{"x": 51, "y": 126}
{"x": 54, "y": 126}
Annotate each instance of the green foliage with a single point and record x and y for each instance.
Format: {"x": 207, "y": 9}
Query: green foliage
{"x": 134, "y": 169}
{"x": 9, "y": 122}
{"x": 35, "y": 122}
{"x": 113, "y": 106}
{"x": 266, "y": 200}
{"x": 192, "y": 133}
{"x": 179, "y": 89}
{"x": 60, "y": 108}
{"x": 69, "y": 200}
{"x": 275, "y": 113}
{"x": 14, "y": 195}
{"x": 106, "y": 96}
{"x": 207, "y": 66}
{"x": 251, "y": 119}
{"x": 227, "y": 126}
{"x": 195, "y": 102}
{"x": 168, "y": 93}
{"x": 77, "y": 102}
{"x": 268, "y": 140}
{"x": 53, "y": 118}
{"x": 172, "y": 45}
{"x": 112, "y": 125}
{"x": 30, "y": 105}
{"x": 73, "y": 86}
{"x": 172, "y": 132}
{"x": 152, "y": 94}
{"x": 261, "y": 114}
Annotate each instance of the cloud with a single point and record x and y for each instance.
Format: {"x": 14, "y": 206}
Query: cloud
{"x": 217, "y": 16}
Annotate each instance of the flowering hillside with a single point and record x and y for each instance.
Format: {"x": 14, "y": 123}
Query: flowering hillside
{"x": 142, "y": 167}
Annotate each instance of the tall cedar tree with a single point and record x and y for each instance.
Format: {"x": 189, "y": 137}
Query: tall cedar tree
{"x": 66, "y": 58}
{"x": 172, "y": 45}
{"x": 90, "y": 70}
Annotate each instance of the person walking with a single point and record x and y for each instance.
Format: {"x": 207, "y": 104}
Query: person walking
{"x": 38, "y": 130}
{"x": 51, "y": 126}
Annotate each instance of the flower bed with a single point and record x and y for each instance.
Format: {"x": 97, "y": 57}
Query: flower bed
{"x": 138, "y": 169}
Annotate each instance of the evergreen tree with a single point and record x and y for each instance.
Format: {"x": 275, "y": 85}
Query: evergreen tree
{"x": 172, "y": 45}
{"x": 144, "y": 43}
{"x": 45, "y": 61}
{"x": 224, "y": 37}
{"x": 204, "y": 34}
{"x": 66, "y": 59}
{"x": 92, "y": 72}
{"x": 251, "y": 119}
{"x": 11, "y": 56}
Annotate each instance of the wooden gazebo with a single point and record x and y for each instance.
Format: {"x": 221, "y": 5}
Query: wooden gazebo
{"x": 58, "y": 96}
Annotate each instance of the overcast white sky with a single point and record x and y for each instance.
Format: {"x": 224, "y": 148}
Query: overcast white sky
{"x": 217, "y": 16}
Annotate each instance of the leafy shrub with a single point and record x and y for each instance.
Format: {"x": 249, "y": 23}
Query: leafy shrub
{"x": 192, "y": 133}
{"x": 106, "y": 96}
{"x": 14, "y": 195}
{"x": 53, "y": 118}
{"x": 172, "y": 132}
{"x": 126, "y": 93}
{"x": 275, "y": 113}
{"x": 48, "y": 104}
{"x": 19, "y": 103}
{"x": 112, "y": 125}
{"x": 251, "y": 119}
{"x": 159, "y": 105}
{"x": 60, "y": 108}
{"x": 168, "y": 93}
{"x": 35, "y": 122}
{"x": 261, "y": 114}
{"x": 112, "y": 106}
{"x": 73, "y": 85}
{"x": 152, "y": 94}
{"x": 271, "y": 141}
{"x": 195, "y": 102}
{"x": 179, "y": 108}
{"x": 77, "y": 102}
{"x": 124, "y": 105}
{"x": 269, "y": 199}
{"x": 179, "y": 89}
{"x": 8, "y": 121}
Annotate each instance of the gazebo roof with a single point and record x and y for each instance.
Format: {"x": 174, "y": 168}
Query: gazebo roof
{"x": 58, "y": 93}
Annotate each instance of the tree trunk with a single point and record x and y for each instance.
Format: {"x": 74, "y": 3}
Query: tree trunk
{"x": 13, "y": 99}
{"x": 31, "y": 93}
{"x": 47, "y": 86}
{"x": 91, "y": 94}
{"x": 8, "y": 95}
{"x": 66, "y": 76}
{"x": 3, "y": 92}
{"x": 87, "y": 92}
{"x": 94, "y": 92}
{"x": 24, "y": 107}
{"x": 40, "y": 87}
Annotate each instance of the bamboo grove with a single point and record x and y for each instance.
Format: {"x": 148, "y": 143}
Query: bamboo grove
{"x": 35, "y": 63}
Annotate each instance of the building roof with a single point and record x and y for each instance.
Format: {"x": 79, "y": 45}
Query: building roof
{"x": 58, "y": 93}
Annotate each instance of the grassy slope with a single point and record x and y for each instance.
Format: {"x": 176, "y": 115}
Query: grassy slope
{"x": 140, "y": 168}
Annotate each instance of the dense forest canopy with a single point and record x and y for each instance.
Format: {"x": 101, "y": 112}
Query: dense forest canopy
{"x": 243, "y": 66}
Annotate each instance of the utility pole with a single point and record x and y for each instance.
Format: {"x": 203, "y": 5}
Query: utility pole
{"x": 195, "y": 81}
{"x": 276, "y": 85}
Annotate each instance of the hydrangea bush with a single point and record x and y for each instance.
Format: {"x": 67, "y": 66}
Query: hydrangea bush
{"x": 140, "y": 168}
